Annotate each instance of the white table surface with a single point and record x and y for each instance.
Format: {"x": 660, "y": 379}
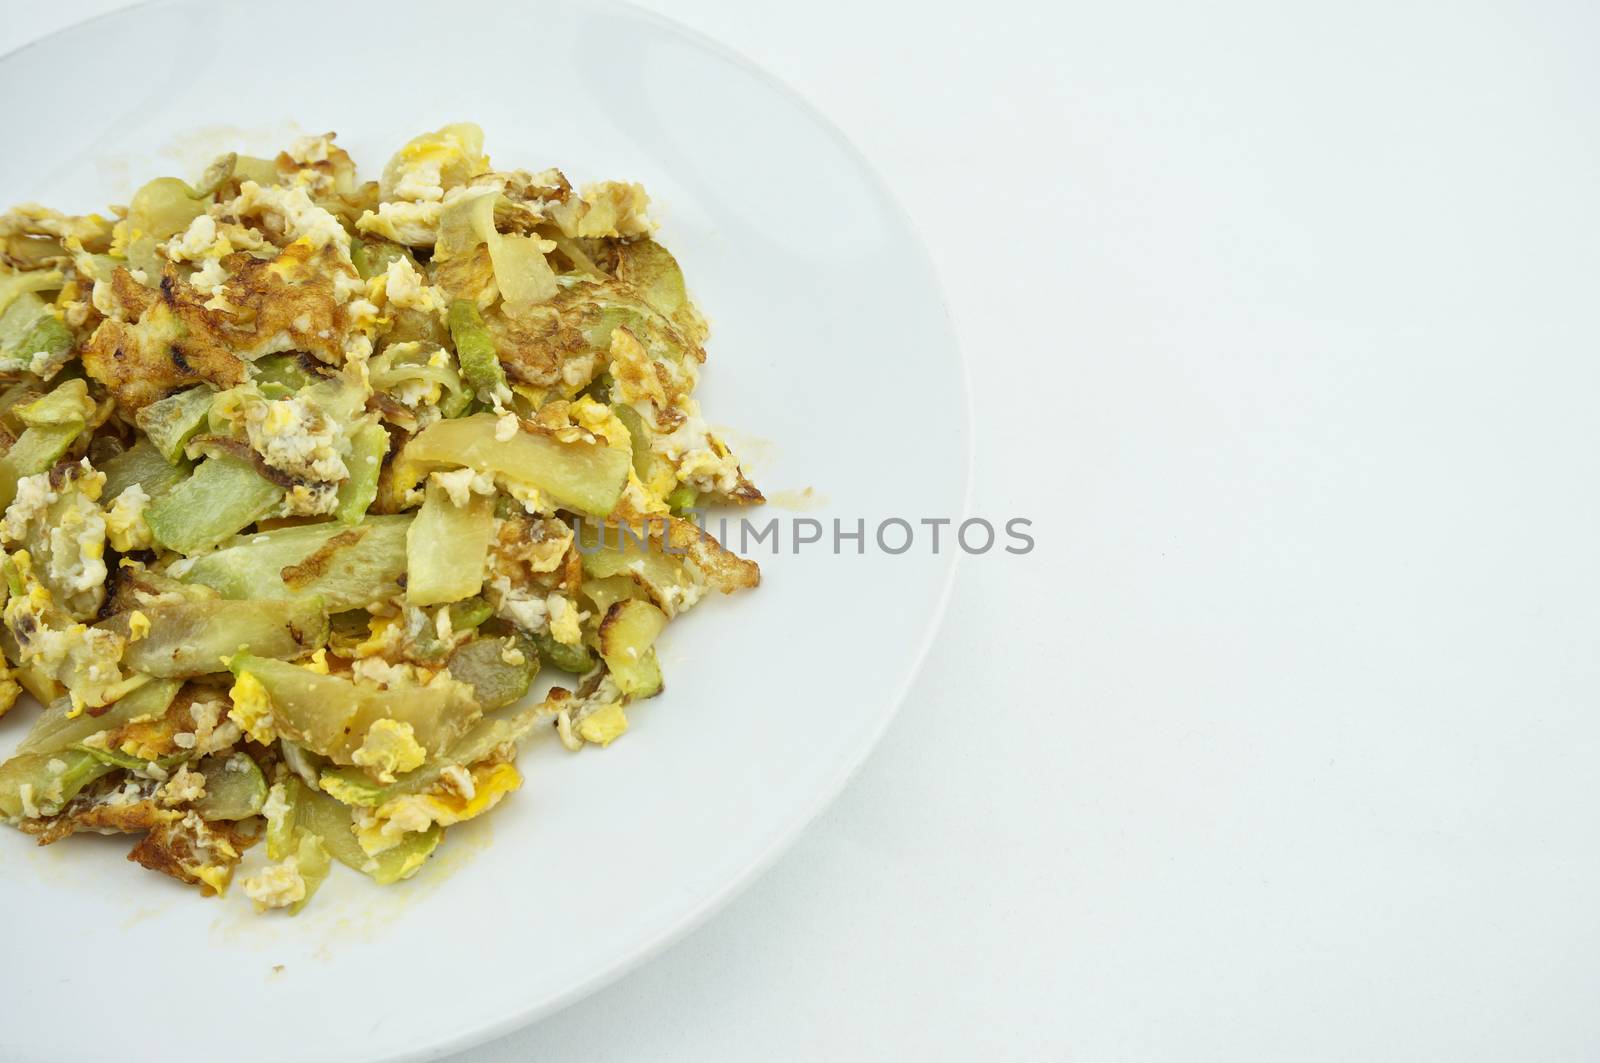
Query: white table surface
{"x": 1282, "y": 744}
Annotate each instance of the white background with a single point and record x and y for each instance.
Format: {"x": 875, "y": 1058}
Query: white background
{"x": 1282, "y": 328}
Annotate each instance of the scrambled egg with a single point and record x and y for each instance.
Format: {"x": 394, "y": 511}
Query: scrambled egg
{"x": 462, "y": 484}
{"x": 278, "y": 813}
{"x": 293, "y": 211}
{"x": 698, "y": 458}
{"x": 552, "y": 612}
{"x": 565, "y": 620}
{"x": 200, "y": 241}
{"x": 276, "y": 885}
{"x": 604, "y": 725}
{"x": 602, "y": 704}
{"x": 292, "y": 435}
{"x": 10, "y": 689}
{"x": 390, "y": 747}
{"x": 65, "y": 531}
{"x": 125, "y": 524}
{"x": 86, "y": 660}
{"x": 384, "y": 827}
{"x": 412, "y": 224}
{"x": 404, "y": 287}
{"x": 77, "y": 550}
{"x": 252, "y": 709}
{"x": 421, "y": 180}
{"x": 183, "y": 788}
{"x": 429, "y": 164}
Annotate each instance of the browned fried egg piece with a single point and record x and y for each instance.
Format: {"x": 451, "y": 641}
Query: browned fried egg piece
{"x": 195, "y": 851}
{"x": 166, "y": 341}
{"x": 153, "y": 739}
{"x": 468, "y": 276}
{"x": 287, "y": 303}
{"x": 330, "y": 167}
{"x": 722, "y": 568}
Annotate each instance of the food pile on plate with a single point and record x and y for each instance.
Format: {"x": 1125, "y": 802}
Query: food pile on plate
{"x": 305, "y": 478}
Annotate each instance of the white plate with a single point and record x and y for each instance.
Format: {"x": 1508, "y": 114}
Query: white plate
{"x": 830, "y": 357}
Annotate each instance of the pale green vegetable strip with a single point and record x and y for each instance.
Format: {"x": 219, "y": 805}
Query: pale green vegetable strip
{"x": 355, "y": 787}
{"x": 54, "y": 730}
{"x": 368, "y": 445}
{"x": 475, "y": 350}
{"x": 330, "y": 715}
{"x": 261, "y": 171}
{"x": 341, "y": 400}
{"x": 372, "y": 257}
{"x": 496, "y": 682}
{"x": 28, "y": 327}
{"x": 313, "y": 861}
{"x": 49, "y": 337}
{"x": 627, "y": 637}
{"x": 605, "y": 591}
{"x": 215, "y": 176}
{"x": 26, "y": 781}
{"x": 446, "y": 547}
{"x": 348, "y": 568}
{"x": 67, "y": 404}
{"x": 585, "y": 477}
{"x": 401, "y": 365}
{"x": 652, "y": 271}
{"x": 522, "y": 272}
{"x": 619, "y": 308}
{"x": 235, "y": 787}
{"x": 223, "y": 495}
{"x": 575, "y": 659}
{"x": 34, "y": 451}
{"x": 159, "y": 210}
{"x": 305, "y": 765}
{"x": 622, "y": 555}
{"x": 469, "y": 613}
{"x": 282, "y": 822}
{"x": 326, "y": 818}
{"x": 584, "y": 264}
{"x": 141, "y": 464}
{"x": 426, "y": 647}
{"x": 295, "y": 828}
{"x": 681, "y": 499}
{"x": 163, "y": 208}
{"x": 281, "y": 375}
{"x": 15, "y": 395}
{"x": 171, "y": 422}
{"x": 192, "y": 638}
{"x": 524, "y": 276}
{"x": 13, "y": 285}
{"x": 639, "y": 678}
{"x": 118, "y": 759}
{"x": 643, "y": 460}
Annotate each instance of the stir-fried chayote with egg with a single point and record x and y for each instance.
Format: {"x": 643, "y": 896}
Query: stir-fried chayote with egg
{"x": 304, "y": 478}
